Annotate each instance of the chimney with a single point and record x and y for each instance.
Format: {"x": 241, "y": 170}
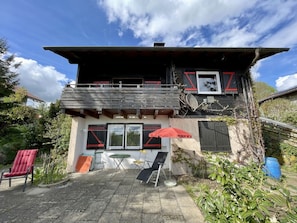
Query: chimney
{"x": 159, "y": 44}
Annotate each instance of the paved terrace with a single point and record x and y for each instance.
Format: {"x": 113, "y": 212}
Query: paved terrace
{"x": 99, "y": 196}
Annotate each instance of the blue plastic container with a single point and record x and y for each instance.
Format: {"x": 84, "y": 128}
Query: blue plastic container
{"x": 272, "y": 168}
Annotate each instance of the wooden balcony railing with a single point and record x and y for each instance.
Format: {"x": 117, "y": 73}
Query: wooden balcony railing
{"x": 120, "y": 96}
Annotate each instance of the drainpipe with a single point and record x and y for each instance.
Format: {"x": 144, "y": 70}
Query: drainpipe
{"x": 244, "y": 86}
{"x": 248, "y": 95}
{"x": 254, "y": 61}
{"x": 257, "y": 54}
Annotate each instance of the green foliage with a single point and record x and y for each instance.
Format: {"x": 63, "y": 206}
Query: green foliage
{"x": 227, "y": 119}
{"x": 58, "y": 132}
{"x": 19, "y": 96}
{"x": 54, "y": 109}
{"x": 262, "y": 90}
{"x": 291, "y": 116}
{"x": 33, "y": 128}
{"x": 242, "y": 194}
{"x": 19, "y": 113}
{"x": 289, "y": 157}
{"x": 282, "y": 110}
{"x": 24, "y": 127}
{"x": 198, "y": 166}
{"x": 52, "y": 170}
{"x": 54, "y": 164}
{"x": 288, "y": 149}
{"x": 11, "y": 143}
{"x": 8, "y": 81}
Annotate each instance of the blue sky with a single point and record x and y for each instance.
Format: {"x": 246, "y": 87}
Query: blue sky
{"x": 29, "y": 25}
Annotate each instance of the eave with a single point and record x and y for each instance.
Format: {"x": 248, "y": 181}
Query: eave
{"x": 218, "y": 56}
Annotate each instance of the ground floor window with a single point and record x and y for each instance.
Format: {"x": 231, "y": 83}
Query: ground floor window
{"x": 214, "y": 136}
{"x": 124, "y": 136}
{"x": 119, "y": 136}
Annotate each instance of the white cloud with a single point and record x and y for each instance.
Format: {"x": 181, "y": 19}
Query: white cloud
{"x": 285, "y": 37}
{"x": 171, "y": 20}
{"x": 255, "y": 71}
{"x": 42, "y": 81}
{"x": 286, "y": 82}
{"x": 206, "y": 23}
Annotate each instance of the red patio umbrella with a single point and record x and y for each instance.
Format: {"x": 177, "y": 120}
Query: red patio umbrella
{"x": 170, "y": 132}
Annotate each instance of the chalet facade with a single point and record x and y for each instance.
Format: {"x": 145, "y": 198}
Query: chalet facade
{"x": 124, "y": 93}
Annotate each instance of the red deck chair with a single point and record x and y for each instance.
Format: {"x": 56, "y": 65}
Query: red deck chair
{"x": 22, "y": 166}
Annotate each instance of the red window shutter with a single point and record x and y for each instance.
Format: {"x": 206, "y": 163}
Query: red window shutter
{"x": 96, "y": 137}
{"x": 230, "y": 82}
{"x": 190, "y": 81}
{"x": 148, "y": 142}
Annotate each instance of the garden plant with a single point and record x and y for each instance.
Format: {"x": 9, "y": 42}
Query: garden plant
{"x": 243, "y": 193}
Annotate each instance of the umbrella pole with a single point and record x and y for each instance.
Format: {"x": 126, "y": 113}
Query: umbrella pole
{"x": 170, "y": 182}
{"x": 170, "y": 160}
{"x": 170, "y": 154}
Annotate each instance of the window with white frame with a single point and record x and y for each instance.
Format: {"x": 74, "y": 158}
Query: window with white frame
{"x": 115, "y": 136}
{"x": 133, "y": 136}
{"x": 124, "y": 136}
{"x": 208, "y": 82}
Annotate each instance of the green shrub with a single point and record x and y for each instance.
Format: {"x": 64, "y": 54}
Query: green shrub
{"x": 53, "y": 169}
{"x": 11, "y": 143}
{"x": 243, "y": 194}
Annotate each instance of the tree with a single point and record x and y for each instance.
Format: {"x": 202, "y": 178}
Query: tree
{"x": 8, "y": 81}
{"x": 279, "y": 109}
{"x": 262, "y": 90}
{"x": 54, "y": 109}
{"x": 20, "y": 113}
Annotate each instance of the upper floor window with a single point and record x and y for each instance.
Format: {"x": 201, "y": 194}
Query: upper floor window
{"x": 208, "y": 82}
{"x": 124, "y": 136}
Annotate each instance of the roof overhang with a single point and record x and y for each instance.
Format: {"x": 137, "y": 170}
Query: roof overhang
{"x": 242, "y": 57}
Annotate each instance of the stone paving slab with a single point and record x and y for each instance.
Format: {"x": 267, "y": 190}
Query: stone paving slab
{"x": 99, "y": 196}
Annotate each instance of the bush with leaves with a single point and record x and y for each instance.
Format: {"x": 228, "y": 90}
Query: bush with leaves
{"x": 282, "y": 110}
{"x": 58, "y": 131}
{"x": 53, "y": 168}
{"x": 20, "y": 132}
{"x": 243, "y": 194}
{"x": 54, "y": 163}
{"x": 11, "y": 143}
{"x": 262, "y": 90}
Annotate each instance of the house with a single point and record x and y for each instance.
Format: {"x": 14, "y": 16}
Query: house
{"x": 290, "y": 94}
{"x": 124, "y": 93}
{"x": 30, "y": 99}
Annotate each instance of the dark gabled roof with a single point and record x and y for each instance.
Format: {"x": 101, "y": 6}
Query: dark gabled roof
{"x": 240, "y": 57}
{"x": 279, "y": 94}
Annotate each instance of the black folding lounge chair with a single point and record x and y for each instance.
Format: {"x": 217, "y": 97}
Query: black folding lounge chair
{"x": 146, "y": 174}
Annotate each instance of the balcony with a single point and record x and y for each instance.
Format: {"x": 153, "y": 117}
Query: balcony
{"x": 120, "y": 100}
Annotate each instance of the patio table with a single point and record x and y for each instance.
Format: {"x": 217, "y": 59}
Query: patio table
{"x": 118, "y": 159}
